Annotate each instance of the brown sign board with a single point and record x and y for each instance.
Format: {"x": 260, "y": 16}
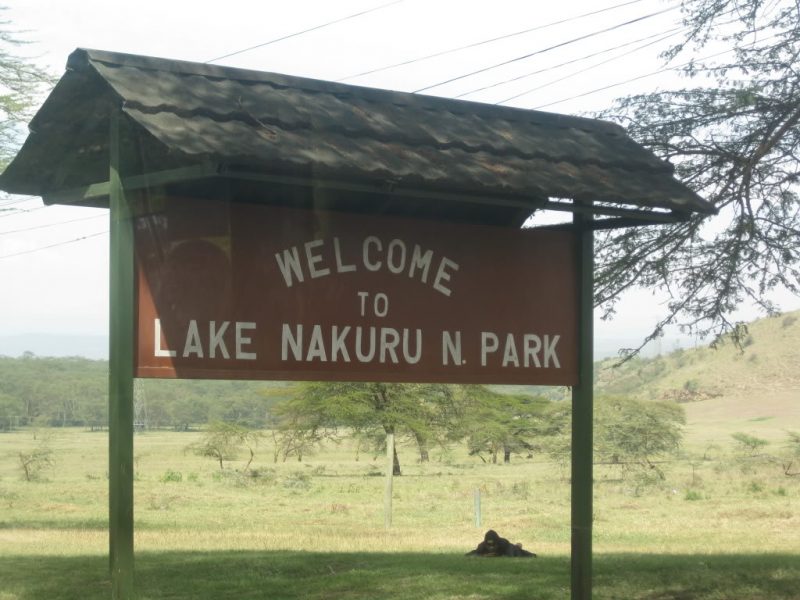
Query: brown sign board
{"x": 245, "y": 291}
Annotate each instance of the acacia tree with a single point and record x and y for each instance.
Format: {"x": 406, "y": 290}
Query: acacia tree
{"x": 635, "y": 433}
{"x": 372, "y": 410}
{"x": 223, "y": 441}
{"x": 496, "y": 423}
{"x": 733, "y": 138}
{"x": 21, "y": 86}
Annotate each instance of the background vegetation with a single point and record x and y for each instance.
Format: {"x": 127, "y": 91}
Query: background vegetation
{"x": 224, "y": 508}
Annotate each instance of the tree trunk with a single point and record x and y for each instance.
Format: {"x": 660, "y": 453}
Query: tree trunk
{"x": 395, "y": 463}
{"x": 506, "y": 454}
{"x": 422, "y": 444}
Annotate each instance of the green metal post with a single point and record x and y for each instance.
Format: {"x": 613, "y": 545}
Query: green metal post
{"x": 120, "y": 376}
{"x": 582, "y": 414}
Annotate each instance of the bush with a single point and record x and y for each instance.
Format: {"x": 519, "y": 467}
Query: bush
{"x": 692, "y": 495}
{"x": 749, "y": 444}
{"x": 521, "y": 489}
{"x": 34, "y": 462}
{"x": 171, "y": 476}
{"x": 297, "y": 481}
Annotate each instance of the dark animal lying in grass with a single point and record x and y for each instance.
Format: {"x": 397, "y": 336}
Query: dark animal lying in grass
{"x": 494, "y": 545}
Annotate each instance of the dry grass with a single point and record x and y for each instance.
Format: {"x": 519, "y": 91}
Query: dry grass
{"x": 332, "y": 504}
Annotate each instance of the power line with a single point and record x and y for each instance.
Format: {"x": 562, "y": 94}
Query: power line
{"x": 489, "y": 41}
{"x": 548, "y": 49}
{"x": 52, "y": 224}
{"x": 316, "y": 27}
{"x": 632, "y": 79}
{"x": 589, "y": 68}
{"x": 573, "y": 61}
{"x": 22, "y": 211}
{"x": 32, "y": 250}
{"x": 12, "y": 201}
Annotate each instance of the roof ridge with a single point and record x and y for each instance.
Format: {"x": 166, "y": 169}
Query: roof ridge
{"x": 83, "y": 57}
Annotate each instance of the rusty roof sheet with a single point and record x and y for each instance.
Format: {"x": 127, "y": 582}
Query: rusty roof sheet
{"x": 278, "y": 124}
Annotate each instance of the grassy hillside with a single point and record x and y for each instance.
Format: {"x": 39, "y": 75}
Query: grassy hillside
{"x": 725, "y": 389}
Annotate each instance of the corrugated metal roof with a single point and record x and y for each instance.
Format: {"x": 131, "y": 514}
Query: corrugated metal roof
{"x": 282, "y": 125}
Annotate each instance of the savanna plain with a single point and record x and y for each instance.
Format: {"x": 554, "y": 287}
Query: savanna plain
{"x": 722, "y": 523}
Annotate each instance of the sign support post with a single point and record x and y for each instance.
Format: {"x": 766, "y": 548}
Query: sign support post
{"x": 120, "y": 374}
{"x": 582, "y": 415}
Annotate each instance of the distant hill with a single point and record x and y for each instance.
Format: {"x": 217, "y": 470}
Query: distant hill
{"x": 768, "y": 361}
{"x": 755, "y": 389}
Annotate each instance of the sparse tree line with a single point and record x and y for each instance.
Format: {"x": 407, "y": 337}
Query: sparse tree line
{"x": 495, "y": 426}
{"x": 295, "y": 420}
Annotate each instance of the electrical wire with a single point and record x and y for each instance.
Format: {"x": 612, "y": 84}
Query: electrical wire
{"x": 52, "y": 224}
{"x": 310, "y": 29}
{"x": 660, "y": 35}
{"x": 548, "y": 49}
{"x": 589, "y": 68}
{"x": 489, "y": 41}
{"x": 32, "y": 250}
{"x": 12, "y": 201}
{"x": 21, "y": 211}
{"x": 632, "y": 79}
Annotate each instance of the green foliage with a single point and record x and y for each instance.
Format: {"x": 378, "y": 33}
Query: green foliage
{"x": 749, "y": 444}
{"x": 692, "y": 496}
{"x": 733, "y": 138}
{"x": 73, "y": 391}
{"x": 754, "y": 487}
{"x": 793, "y": 443}
{"x": 223, "y": 441}
{"x": 635, "y": 433}
{"x": 53, "y": 391}
{"x": 35, "y": 461}
{"x": 424, "y": 413}
{"x": 297, "y": 480}
{"x": 23, "y": 84}
{"x": 497, "y": 423}
{"x": 170, "y": 476}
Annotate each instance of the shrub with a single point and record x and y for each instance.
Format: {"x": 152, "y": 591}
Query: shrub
{"x": 34, "y": 462}
{"x": 297, "y": 481}
{"x": 521, "y": 488}
{"x": 749, "y": 443}
{"x": 171, "y": 476}
{"x": 692, "y": 495}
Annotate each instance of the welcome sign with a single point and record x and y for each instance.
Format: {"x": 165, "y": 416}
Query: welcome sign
{"x": 245, "y": 291}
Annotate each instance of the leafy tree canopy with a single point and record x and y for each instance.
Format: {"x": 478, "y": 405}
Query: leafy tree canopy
{"x": 733, "y": 137}
{"x": 22, "y": 84}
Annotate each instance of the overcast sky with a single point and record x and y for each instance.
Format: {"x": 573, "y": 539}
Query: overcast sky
{"x": 64, "y": 289}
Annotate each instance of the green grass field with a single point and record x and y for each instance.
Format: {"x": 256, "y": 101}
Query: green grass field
{"x": 714, "y": 529}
